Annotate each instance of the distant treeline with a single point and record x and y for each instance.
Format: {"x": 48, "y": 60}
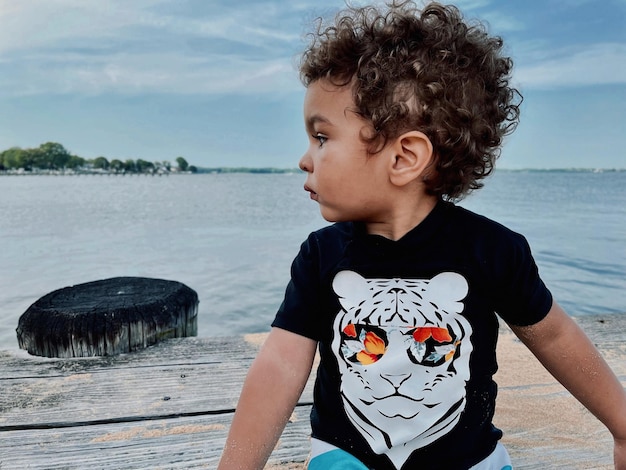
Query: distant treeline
{"x": 53, "y": 157}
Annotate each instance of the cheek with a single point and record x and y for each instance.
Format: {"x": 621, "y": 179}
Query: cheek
{"x": 331, "y": 177}
{"x": 356, "y": 376}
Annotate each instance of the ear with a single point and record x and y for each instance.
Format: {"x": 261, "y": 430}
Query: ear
{"x": 447, "y": 290}
{"x": 351, "y": 288}
{"x": 412, "y": 153}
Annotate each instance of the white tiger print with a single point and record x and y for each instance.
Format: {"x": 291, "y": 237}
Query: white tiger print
{"x": 403, "y": 351}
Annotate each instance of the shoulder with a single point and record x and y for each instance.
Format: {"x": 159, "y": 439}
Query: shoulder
{"x": 478, "y": 227}
{"x": 461, "y": 215}
{"x": 324, "y": 246}
{"x": 494, "y": 245}
{"x": 332, "y": 236}
{"x": 505, "y": 265}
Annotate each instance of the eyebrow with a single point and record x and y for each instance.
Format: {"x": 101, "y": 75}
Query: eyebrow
{"x": 314, "y": 119}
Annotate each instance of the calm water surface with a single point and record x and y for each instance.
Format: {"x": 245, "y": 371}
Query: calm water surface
{"x": 232, "y": 237}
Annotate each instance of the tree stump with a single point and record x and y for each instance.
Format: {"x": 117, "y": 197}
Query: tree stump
{"x": 108, "y": 317}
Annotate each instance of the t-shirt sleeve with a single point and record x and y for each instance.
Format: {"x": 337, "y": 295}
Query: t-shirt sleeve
{"x": 521, "y": 297}
{"x": 300, "y": 308}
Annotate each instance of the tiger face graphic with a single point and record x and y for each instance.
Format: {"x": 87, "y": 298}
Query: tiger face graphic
{"x": 403, "y": 351}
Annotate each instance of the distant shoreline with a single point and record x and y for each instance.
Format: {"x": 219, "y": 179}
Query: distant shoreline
{"x": 261, "y": 171}
{"x": 86, "y": 173}
{"x": 102, "y": 172}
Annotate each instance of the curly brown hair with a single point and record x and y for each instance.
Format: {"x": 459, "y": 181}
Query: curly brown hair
{"x": 424, "y": 70}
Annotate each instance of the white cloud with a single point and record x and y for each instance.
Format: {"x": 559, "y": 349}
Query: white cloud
{"x": 596, "y": 64}
{"x": 36, "y": 23}
{"x": 150, "y": 46}
{"x": 156, "y": 73}
{"x": 72, "y": 46}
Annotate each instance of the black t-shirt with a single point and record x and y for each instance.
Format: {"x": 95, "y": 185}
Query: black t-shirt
{"x": 407, "y": 334}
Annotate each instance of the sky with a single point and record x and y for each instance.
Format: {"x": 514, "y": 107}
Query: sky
{"x": 215, "y": 81}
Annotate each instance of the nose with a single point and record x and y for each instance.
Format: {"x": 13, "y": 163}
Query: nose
{"x": 306, "y": 163}
{"x": 396, "y": 380}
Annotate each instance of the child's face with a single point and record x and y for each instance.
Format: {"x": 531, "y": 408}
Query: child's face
{"x": 347, "y": 183}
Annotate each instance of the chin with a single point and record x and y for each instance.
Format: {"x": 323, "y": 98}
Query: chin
{"x": 329, "y": 216}
{"x": 334, "y": 216}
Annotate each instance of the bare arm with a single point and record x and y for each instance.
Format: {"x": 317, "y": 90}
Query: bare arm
{"x": 270, "y": 392}
{"x": 568, "y": 354}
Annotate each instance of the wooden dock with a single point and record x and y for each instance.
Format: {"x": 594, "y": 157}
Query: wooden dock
{"x": 169, "y": 406}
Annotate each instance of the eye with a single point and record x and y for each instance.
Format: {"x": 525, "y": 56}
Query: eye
{"x": 321, "y": 138}
{"x": 363, "y": 344}
{"x": 431, "y": 346}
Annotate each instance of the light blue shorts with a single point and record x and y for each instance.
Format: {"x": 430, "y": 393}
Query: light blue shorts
{"x": 325, "y": 456}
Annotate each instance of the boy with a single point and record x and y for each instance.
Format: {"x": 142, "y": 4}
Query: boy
{"x": 406, "y": 111}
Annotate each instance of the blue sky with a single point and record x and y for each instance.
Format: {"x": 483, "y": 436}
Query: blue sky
{"x": 215, "y": 80}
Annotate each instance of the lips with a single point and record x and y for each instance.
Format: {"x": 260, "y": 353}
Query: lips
{"x": 312, "y": 193}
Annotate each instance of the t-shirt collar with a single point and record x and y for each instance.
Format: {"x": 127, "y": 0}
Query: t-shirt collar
{"x": 420, "y": 233}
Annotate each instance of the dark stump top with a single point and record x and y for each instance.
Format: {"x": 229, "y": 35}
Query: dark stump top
{"x": 107, "y": 317}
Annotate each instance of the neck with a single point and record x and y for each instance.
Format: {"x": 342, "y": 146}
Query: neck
{"x": 402, "y": 219}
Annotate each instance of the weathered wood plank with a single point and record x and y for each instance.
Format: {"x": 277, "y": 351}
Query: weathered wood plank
{"x": 180, "y": 377}
{"x": 170, "y": 405}
{"x": 190, "y": 442}
{"x": 121, "y": 394}
{"x": 544, "y": 426}
{"x": 605, "y": 330}
{"x": 173, "y": 351}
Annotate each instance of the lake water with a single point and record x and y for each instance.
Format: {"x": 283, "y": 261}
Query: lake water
{"x": 232, "y": 237}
